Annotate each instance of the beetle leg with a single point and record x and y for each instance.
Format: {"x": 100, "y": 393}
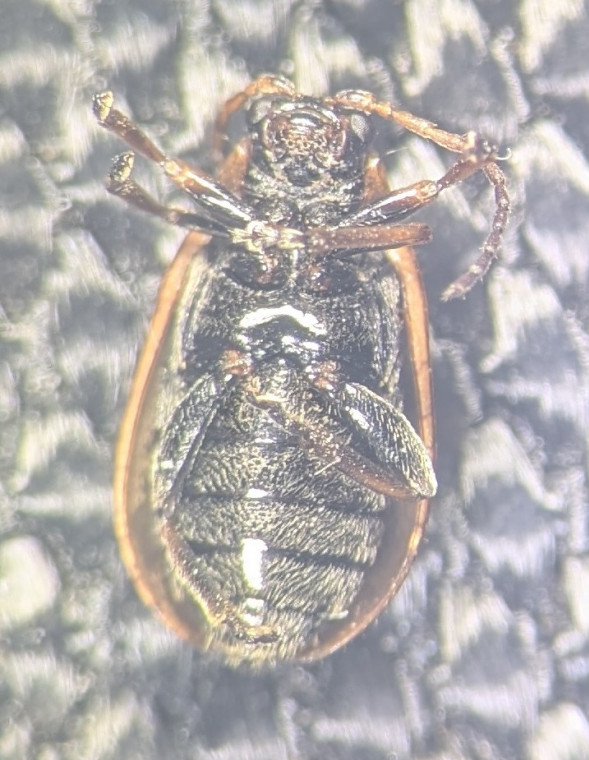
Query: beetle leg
{"x": 122, "y": 186}
{"x": 477, "y": 155}
{"x": 428, "y": 130}
{"x": 399, "y": 467}
{"x": 460, "y": 171}
{"x": 203, "y": 188}
{"x": 477, "y": 271}
{"x": 395, "y": 205}
{"x": 388, "y": 434}
{"x": 257, "y": 236}
{"x": 405, "y": 201}
{"x": 325, "y": 242}
{"x": 183, "y": 434}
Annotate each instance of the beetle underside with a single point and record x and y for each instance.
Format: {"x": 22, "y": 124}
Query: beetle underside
{"x": 271, "y": 492}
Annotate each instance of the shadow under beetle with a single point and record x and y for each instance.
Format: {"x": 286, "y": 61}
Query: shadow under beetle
{"x": 270, "y": 492}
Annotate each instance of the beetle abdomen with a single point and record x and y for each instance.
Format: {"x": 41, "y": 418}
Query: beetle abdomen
{"x": 273, "y": 540}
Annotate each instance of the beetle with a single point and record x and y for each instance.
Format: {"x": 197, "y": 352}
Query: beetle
{"x": 270, "y": 490}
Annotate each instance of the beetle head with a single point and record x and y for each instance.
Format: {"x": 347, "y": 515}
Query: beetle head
{"x": 305, "y": 144}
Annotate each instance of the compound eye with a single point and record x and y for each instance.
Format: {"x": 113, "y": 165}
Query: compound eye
{"x": 259, "y": 109}
{"x": 361, "y": 126}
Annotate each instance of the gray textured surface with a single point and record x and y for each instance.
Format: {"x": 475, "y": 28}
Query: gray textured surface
{"x": 485, "y": 652}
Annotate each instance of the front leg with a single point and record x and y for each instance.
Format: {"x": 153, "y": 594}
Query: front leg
{"x": 400, "y": 203}
{"x": 207, "y": 192}
{"x": 120, "y": 184}
{"x": 476, "y": 155}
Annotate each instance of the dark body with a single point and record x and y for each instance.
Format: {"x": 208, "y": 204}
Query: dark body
{"x": 270, "y": 533}
{"x": 270, "y": 492}
{"x": 263, "y": 520}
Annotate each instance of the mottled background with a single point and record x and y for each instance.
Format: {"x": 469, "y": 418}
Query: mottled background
{"x": 484, "y": 654}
